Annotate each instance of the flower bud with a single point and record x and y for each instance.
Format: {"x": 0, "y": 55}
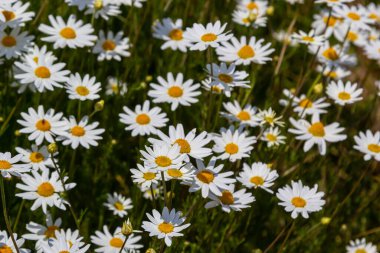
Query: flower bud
{"x": 17, "y": 133}
{"x": 148, "y": 78}
{"x": 52, "y": 148}
{"x": 127, "y": 228}
{"x": 318, "y": 88}
{"x": 270, "y": 10}
{"x": 150, "y": 250}
{"x": 325, "y": 220}
{"x": 99, "y": 106}
{"x": 98, "y": 4}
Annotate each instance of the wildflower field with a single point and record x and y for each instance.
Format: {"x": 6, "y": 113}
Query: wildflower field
{"x": 189, "y": 126}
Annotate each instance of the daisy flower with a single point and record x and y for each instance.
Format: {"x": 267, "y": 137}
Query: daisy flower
{"x": 245, "y": 116}
{"x": 369, "y": 144}
{"x": 247, "y": 18}
{"x": 216, "y": 89}
{"x": 165, "y": 225}
{"x": 135, "y": 3}
{"x": 372, "y": 50}
{"x": 209, "y": 179}
{"x": 81, "y": 4}
{"x": 355, "y": 16}
{"x": 172, "y": 33}
{"x": 44, "y": 189}
{"x": 118, "y": 204}
{"x": 315, "y": 132}
{"x": 16, "y": 14}
{"x": 163, "y": 157}
{"x": 333, "y": 55}
{"x": 102, "y": 9}
{"x": 355, "y": 36}
{"x": 174, "y": 91}
{"x": 284, "y": 37}
{"x": 82, "y": 89}
{"x": 157, "y": 191}
{"x": 268, "y": 117}
{"x": 343, "y": 94}
{"x": 202, "y": 36}
{"x": 299, "y": 199}
{"x": 252, "y": 6}
{"x": 111, "y": 46}
{"x": 36, "y": 158}
{"x": 13, "y": 44}
{"x": 257, "y": 175}
{"x": 62, "y": 243}
{"x": 112, "y": 243}
{"x": 373, "y": 12}
{"x": 81, "y": 133}
{"x": 145, "y": 176}
{"x": 273, "y": 137}
{"x": 231, "y": 199}
{"x": 38, "y": 52}
{"x": 304, "y": 106}
{"x": 143, "y": 121}
{"x": 72, "y": 34}
{"x": 9, "y": 165}
{"x": 323, "y": 24}
{"x": 308, "y": 38}
{"x": 185, "y": 174}
{"x": 116, "y": 86}
{"x": 191, "y": 145}
{"x": 227, "y": 76}
{"x": 42, "y": 126}
{"x": 361, "y": 246}
{"x": 6, "y": 243}
{"x": 333, "y": 72}
{"x": 333, "y": 3}
{"x": 245, "y": 52}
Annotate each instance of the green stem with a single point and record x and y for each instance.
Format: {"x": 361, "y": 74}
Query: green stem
{"x": 5, "y": 124}
{"x": 18, "y": 214}
{"x": 122, "y": 246}
{"x": 165, "y": 191}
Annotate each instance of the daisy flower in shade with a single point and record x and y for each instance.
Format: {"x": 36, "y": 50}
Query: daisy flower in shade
{"x": 163, "y": 157}
{"x": 15, "y": 14}
{"x": 72, "y": 34}
{"x": 157, "y": 191}
{"x": 174, "y": 91}
{"x": 309, "y": 38}
{"x": 7, "y": 246}
{"x": 323, "y": 24}
{"x": 145, "y": 176}
{"x": 333, "y": 72}
{"x": 361, "y": 246}
{"x": 191, "y": 145}
{"x": 343, "y": 94}
{"x": 62, "y": 242}
{"x": 268, "y": 117}
{"x": 111, "y": 46}
{"x": 372, "y": 50}
{"x": 258, "y": 175}
{"x": 231, "y": 200}
{"x": 333, "y": 55}
{"x": 245, "y": 52}
{"x": 43, "y": 73}
{"x": 102, "y": 9}
{"x": 9, "y": 165}
{"x": 333, "y": 3}
{"x": 284, "y": 37}
{"x": 233, "y": 144}
{"x": 227, "y": 76}
{"x": 373, "y": 12}
{"x": 184, "y": 174}
{"x": 355, "y": 36}
{"x": 166, "y": 225}
{"x": 116, "y": 86}
{"x": 38, "y": 52}
{"x": 299, "y": 199}
{"x": 210, "y": 178}
{"x": 40, "y": 125}
{"x": 202, "y": 37}
{"x": 216, "y": 89}
{"x": 247, "y": 18}
{"x": 44, "y": 189}
{"x": 273, "y": 137}
{"x": 83, "y": 89}
{"x": 304, "y": 106}
{"x": 369, "y": 144}
{"x": 355, "y": 16}
{"x": 315, "y": 132}
{"x": 118, "y": 204}
{"x": 13, "y": 44}
{"x": 252, "y": 6}
{"x": 36, "y": 158}
{"x": 81, "y": 133}
{"x": 172, "y": 33}
{"x": 81, "y": 4}
{"x": 112, "y": 243}
{"x": 245, "y": 116}
{"x": 143, "y": 121}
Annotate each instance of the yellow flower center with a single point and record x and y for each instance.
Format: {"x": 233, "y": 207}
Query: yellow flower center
{"x": 184, "y": 144}
{"x": 305, "y": 103}
{"x": 374, "y": 16}
{"x": 82, "y": 90}
{"x": 5, "y": 249}
{"x": 243, "y": 116}
{"x": 269, "y": 119}
{"x": 225, "y": 78}
{"x": 36, "y": 157}
{"x": 175, "y": 173}
{"x": 175, "y": 91}
{"x": 216, "y": 89}
{"x": 143, "y": 119}
{"x": 352, "y": 36}
{"x": 176, "y": 34}
{"x": 35, "y": 59}
{"x": 344, "y": 95}
{"x": 42, "y": 72}
{"x": 209, "y": 37}
{"x": 252, "y": 6}
{"x": 116, "y": 242}
{"x": 246, "y": 52}
{"x": 353, "y": 16}
{"x": 9, "y": 15}
{"x": 68, "y": 33}
{"x": 163, "y": 161}
{"x": 50, "y": 231}
{"x": 5, "y": 165}
{"x": 298, "y": 202}
{"x": 271, "y": 137}
{"x": 231, "y": 148}
{"x": 78, "y": 131}
{"x": 227, "y": 198}
{"x": 361, "y": 250}
{"x": 205, "y": 176}
{"x": 45, "y": 189}
{"x": 257, "y": 180}
{"x": 308, "y": 39}
{"x": 317, "y": 129}
{"x": 332, "y": 74}
{"x": 332, "y": 21}
{"x": 64, "y": 251}
{"x": 43, "y": 125}
{"x": 331, "y": 54}
{"x": 165, "y": 228}
{"x": 371, "y": 147}
{"x": 149, "y": 175}
{"x": 9, "y": 41}
{"x": 119, "y": 206}
{"x": 108, "y": 45}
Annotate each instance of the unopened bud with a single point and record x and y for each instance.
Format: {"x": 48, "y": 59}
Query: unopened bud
{"x": 325, "y": 220}
{"x": 127, "y": 228}
{"x": 318, "y": 88}
{"x": 170, "y": 194}
{"x": 142, "y": 85}
{"x": 99, "y": 106}
{"x": 98, "y": 4}
{"x": 150, "y": 250}
{"x": 148, "y": 78}
{"x": 270, "y": 165}
{"x": 17, "y": 133}
{"x": 114, "y": 142}
{"x": 52, "y": 148}
{"x": 270, "y": 10}
{"x": 1, "y": 119}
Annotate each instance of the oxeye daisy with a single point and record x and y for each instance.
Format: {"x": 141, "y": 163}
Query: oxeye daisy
{"x": 258, "y": 175}
{"x": 44, "y": 189}
{"x": 315, "y": 132}
{"x": 231, "y": 200}
{"x": 202, "y": 36}
{"x": 333, "y": 55}
{"x": 72, "y": 34}
{"x": 355, "y": 36}
{"x": 373, "y": 12}
{"x": 143, "y": 121}
{"x": 191, "y": 145}
{"x": 343, "y": 94}
{"x": 372, "y": 50}
{"x": 245, "y": 51}
{"x": 273, "y": 137}
{"x": 268, "y": 117}
{"x": 13, "y": 44}
{"x": 112, "y": 243}
{"x": 62, "y": 242}
{"x": 166, "y": 225}
{"x": 82, "y": 89}
{"x": 81, "y": 4}
{"x": 247, "y": 18}
{"x": 15, "y": 14}
{"x": 245, "y": 116}
{"x": 102, "y": 9}
{"x": 134, "y": 3}
{"x": 111, "y": 46}
{"x": 233, "y": 144}
{"x": 163, "y": 157}
{"x": 252, "y": 6}
{"x": 145, "y": 176}
{"x": 155, "y": 189}
{"x": 304, "y": 106}
{"x": 184, "y": 174}
{"x": 118, "y": 204}
{"x": 360, "y": 246}
{"x": 7, "y": 246}
{"x": 9, "y": 165}
{"x": 116, "y": 86}
{"x": 333, "y": 3}
{"x": 209, "y": 178}
{"x": 227, "y": 76}
{"x": 369, "y": 144}
{"x": 175, "y": 91}
{"x": 355, "y": 16}
{"x": 216, "y": 89}
{"x": 38, "y": 52}
{"x": 308, "y": 38}
{"x": 333, "y": 72}
{"x": 40, "y": 125}
{"x": 36, "y": 158}
{"x": 326, "y": 23}
{"x": 172, "y": 33}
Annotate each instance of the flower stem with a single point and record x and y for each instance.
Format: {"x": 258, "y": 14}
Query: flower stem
{"x": 165, "y": 191}
{"x": 122, "y": 246}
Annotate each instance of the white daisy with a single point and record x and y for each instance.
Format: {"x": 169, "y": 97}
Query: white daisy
{"x": 65, "y": 241}
{"x": 372, "y": 50}
{"x": 111, "y": 46}
{"x": 172, "y": 33}
{"x": 9, "y": 165}
{"x": 216, "y": 89}
{"x": 369, "y": 144}
{"x": 361, "y": 246}
{"x": 309, "y": 38}
{"x": 245, "y": 116}
{"x": 7, "y": 246}
{"x": 83, "y": 89}
{"x": 355, "y": 16}
{"x": 333, "y": 55}
{"x": 81, "y": 4}
{"x": 273, "y": 137}
{"x": 36, "y": 158}
{"x": 15, "y": 14}
{"x": 268, "y": 117}
{"x": 102, "y": 9}
{"x": 184, "y": 174}
{"x": 343, "y": 94}
{"x": 326, "y": 24}
{"x": 333, "y": 72}
{"x": 13, "y": 44}
{"x": 163, "y": 157}
{"x": 157, "y": 192}
{"x": 304, "y": 106}
{"x": 257, "y": 175}
{"x": 145, "y": 176}
{"x": 227, "y": 76}
{"x": 333, "y": 3}
{"x": 116, "y": 86}
{"x": 247, "y": 18}
{"x": 118, "y": 204}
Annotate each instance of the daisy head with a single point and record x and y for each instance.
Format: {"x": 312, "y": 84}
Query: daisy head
{"x": 245, "y": 116}
{"x": 227, "y": 76}
{"x": 145, "y": 176}
{"x": 369, "y": 144}
{"x": 37, "y": 158}
{"x": 343, "y": 94}
{"x": 116, "y": 86}
{"x": 7, "y": 245}
{"x": 172, "y": 33}
{"x": 308, "y": 38}
{"x": 110, "y": 46}
{"x": 118, "y": 204}
{"x": 9, "y": 165}
{"x": 65, "y": 241}
{"x": 355, "y": 16}
{"x": 258, "y": 175}
{"x": 14, "y": 43}
{"x": 305, "y": 106}
{"x": 272, "y": 136}
{"x": 361, "y": 246}
{"x": 268, "y": 117}
{"x": 163, "y": 157}
{"x": 15, "y": 14}
{"x": 83, "y": 89}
